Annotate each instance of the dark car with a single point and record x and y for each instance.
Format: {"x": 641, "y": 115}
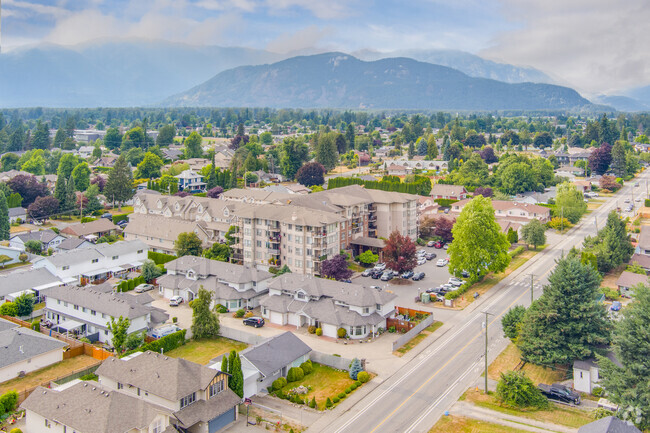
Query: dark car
{"x": 418, "y": 276}
{"x": 408, "y": 274}
{"x": 430, "y": 256}
{"x": 122, "y": 224}
{"x": 559, "y": 392}
{"x": 108, "y": 216}
{"x": 387, "y": 276}
{"x": 256, "y": 322}
{"x": 376, "y": 275}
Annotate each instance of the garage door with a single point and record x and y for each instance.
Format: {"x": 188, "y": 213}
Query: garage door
{"x": 221, "y": 421}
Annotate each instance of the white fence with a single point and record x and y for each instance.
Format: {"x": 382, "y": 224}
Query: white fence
{"x": 236, "y": 334}
{"x": 330, "y": 360}
{"x": 405, "y": 338}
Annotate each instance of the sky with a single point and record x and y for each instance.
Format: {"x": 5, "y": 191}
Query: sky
{"x": 595, "y": 46}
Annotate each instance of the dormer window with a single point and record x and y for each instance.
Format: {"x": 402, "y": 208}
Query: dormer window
{"x": 300, "y": 295}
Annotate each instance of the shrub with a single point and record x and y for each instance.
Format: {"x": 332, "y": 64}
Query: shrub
{"x": 120, "y": 217}
{"x": 220, "y": 308}
{"x": 342, "y": 395}
{"x": 319, "y": 331}
{"x": 15, "y": 430}
{"x": 514, "y": 253}
{"x": 597, "y": 391}
{"x": 342, "y": 332}
{"x": 248, "y": 314}
{"x": 328, "y": 403}
{"x": 8, "y": 401}
{"x": 9, "y": 309}
{"x": 311, "y": 329}
{"x": 391, "y": 329}
{"x": 355, "y": 368}
{"x": 363, "y": 376}
{"x": 348, "y": 390}
{"x": 357, "y": 383}
{"x": 307, "y": 367}
{"x": 312, "y": 403}
{"x": 279, "y": 383}
{"x": 89, "y": 376}
{"x": 174, "y": 319}
{"x": 336, "y": 400}
{"x": 36, "y": 326}
{"x": 601, "y": 412}
{"x": 166, "y": 343}
{"x": 515, "y": 389}
{"x": 295, "y": 374}
{"x": 240, "y": 313}
{"x": 160, "y": 258}
{"x": 445, "y": 202}
{"x": 353, "y": 386}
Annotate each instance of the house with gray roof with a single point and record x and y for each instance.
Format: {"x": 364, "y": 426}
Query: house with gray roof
{"x": 609, "y": 424}
{"x": 48, "y": 239}
{"x": 87, "y": 311}
{"x": 233, "y": 286}
{"x": 269, "y": 360}
{"x": 629, "y": 280}
{"x": 91, "y": 230}
{"x": 17, "y": 213}
{"x": 23, "y": 350}
{"x": 304, "y": 300}
{"x": 73, "y": 244}
{"x": 21, "y": 281}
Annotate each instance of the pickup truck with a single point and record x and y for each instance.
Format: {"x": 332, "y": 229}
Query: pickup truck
{"x": 559, "y": 392}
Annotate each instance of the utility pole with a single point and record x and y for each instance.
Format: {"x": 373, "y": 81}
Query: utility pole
{"x": 486, "y": 349}
{"x": 596, "y": 222}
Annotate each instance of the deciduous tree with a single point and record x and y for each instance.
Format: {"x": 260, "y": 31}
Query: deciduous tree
{"x": 311, "y": 174}
{"x": 511, "y": 322}
{"x": 336, "y": 268}
{"x": 534, "y": 233}
{"x": 205, "y": 322}
{"x": 28, "y": 187}
{"x": 188, "y": 244}
{"x": 516, "y": 390}
{"x": 43, "y": 207}
{"x": 150, "y": 271}
{"x": 150, "y": 166}
{"x": 119, "y": 329}
{"x": 600, "y": 159}
{"x": 400, "y": 253}
{"x": 569, "y": 202}
{"x": 81, "y": 175}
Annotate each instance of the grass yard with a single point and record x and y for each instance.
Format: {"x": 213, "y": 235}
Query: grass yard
{"x": 202, "y": 351}
{"x": 47, "y": 374}
{"x": 324, "y": 381}
{"x": 557, "y": 414}
{"x": 418, "y": 339}
{"x": 509, "y": 359}
{"x": 460, "y": 424}
{"x": 356, "y": 267}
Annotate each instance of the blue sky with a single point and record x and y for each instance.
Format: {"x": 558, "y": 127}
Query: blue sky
{"x": 593, "y": 45}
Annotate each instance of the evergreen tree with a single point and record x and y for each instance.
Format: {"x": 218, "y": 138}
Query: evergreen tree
{"x": 119, "y": 186}
{"x": 432, "y": 147}
{"x": 422, "y": 146}
{"x": 4, "y": 218}
{"x": 41, "y": 139}
{"x": 349, "y": 136}
{"x": 567, "y": 322}
{"x": 411, "y": 151}
{"x": 211, "y": 180}
{"x": 59, "y": 138}
{"x": 236, "y": 381}
{"x": 224, "y": 364}
{"x": 326, "y": 152}
{"x": 205, "y": 322}
{"x": 70, "y": 199}
{"x": 618, "y": 165}
{"x": 60, "y": 189}
{"x": 355, "y": 368}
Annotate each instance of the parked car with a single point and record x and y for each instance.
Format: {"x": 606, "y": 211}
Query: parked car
{"x": 559, "y": 392}
{"x": 430, "y": 244}
{"x": 380, "y": 266}
{"x": 465, "y": 274}
{"x": 421, "y": 261}
{"x": 143, "y": 288}
{"x": 418, "y": 276}
{"x": 387, "y": 276}
{"x": 445, "y": 246}
{"x": 616, "y": 306}
{"x": 456, "y": 281}
{"x": 430, "y": 256}
{"x": 108, "y": 216}
{"x": 439, "y": 244}
{"x": 366, "y": 273}
{"x": 122, "y": 224}
{"x": 175, "y": 301}
{"x": 406, "y": 275}
{"x": 441, "y": 262}
{"x": 376, "y": 275}
{"x": 256, "y": 322}
{"x": 421, "y": 252}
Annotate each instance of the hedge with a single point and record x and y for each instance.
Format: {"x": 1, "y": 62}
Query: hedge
{"x": 421, "y": 185}
{"x": 647, "y": 202}
{"x": 514, "y": 253}
{"x": 160, "y": 258}
{"x": 445, "y": 202}
{"x": 295, "y": 374}
{"x": 120, "y": 217}
{"x": 166, "y": 343}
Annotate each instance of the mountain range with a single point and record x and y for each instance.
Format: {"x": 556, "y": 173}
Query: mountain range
{"x": 338, "y": 80}
{"x": 142, "y": 72}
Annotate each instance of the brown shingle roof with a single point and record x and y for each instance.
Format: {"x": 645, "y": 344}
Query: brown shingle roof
{"x": 630, "y": 279}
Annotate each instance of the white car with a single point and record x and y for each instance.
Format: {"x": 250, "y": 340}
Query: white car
{"x": 441, "y": 262}
{"x": 380, "y": 266}
{"x": 143, "y": 288}
{"x": 175, "y": 301}
{"x": 421, "y": 262}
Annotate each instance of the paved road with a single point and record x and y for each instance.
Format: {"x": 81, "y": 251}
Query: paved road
{"x": 413, "y": 399}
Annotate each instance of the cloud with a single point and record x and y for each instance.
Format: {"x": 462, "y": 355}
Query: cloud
{"x": 593, "y": 45}
{"x": 323, "y": 9}
{"x": 306, "y": 38}
{"x": 37, "y": 8}
{"x": 222, "y": 5}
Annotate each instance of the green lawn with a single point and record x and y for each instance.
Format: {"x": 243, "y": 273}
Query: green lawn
{"x": 418, "y": 339}
{"x": 460, "y": 424}
{"x": 202, "y": 351}
{"x": 324, "y": 381}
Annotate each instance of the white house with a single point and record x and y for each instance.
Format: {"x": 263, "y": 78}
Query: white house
{"x": 96, "y": 264}
{"x": 233, "y": 286}
{"x": 88, "y": 310}
{"x": 303, "y": 300}
{"x": 33, "y": 281}
{"x": 23, "y": 350}
{"x": 17, "y": 213}
{"x": 48, "y": 239}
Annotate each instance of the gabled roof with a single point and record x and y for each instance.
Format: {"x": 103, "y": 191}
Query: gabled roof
{"x": 44, "y": 236}
{"x": 640, "y": 259}
{"x": 609, "y": 424}
{"x": 88, "y": 407}
{"x": 630, "y": 279}
{"x": 19, "y": 344}
{"x": 71, "y": 243}
{"x": 26, "y": 279}
{"x": 443, "y": 189}
{"x": 161, "y": 375}
{"x": 89, "y": 228}
{"x": 229, "y": 272}
{"x": 17, "y": 211}
{"x": 276, "y": 352}
{"x": 85, "y": 255}
{"x": 644, "y": 238}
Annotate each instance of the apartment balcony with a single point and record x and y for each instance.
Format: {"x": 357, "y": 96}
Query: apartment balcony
{"x": 372, "y": 225}
{"x": 320, "y": 234}
{"x": 237, "y": 246}
{"x": 274, "y": 251}
{"x": 237, "y": 256}
{"x": 274, "y": 238}
{"x": 372, "y": 217}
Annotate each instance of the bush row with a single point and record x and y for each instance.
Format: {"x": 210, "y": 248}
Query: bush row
{"x": 166, "y": 343}
{"x": 120, "y": 217}
{"x": 514, "y": 253}
{"x": 128, "y": 285}
{"x": 160, "y": 258}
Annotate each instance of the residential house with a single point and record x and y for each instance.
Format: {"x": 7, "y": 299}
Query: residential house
{"x": 190, "y": 181}
{"x": 448, "y": 192}
{"x": 10, "y": 174}
{"x": 48, "y": 239}
{"x": 149, "y": 393}
{"x": 420, "y": 164}
{"x": 92, "y": 230}
{"x": 31, "y": 281}
{"x": 569, "y": 171}
{"x": 85, "y": 151}
{"x": 87, "y": 310}
{"x": 172, "y": 153}
{"x": 23, "y": 350}
{"x": 74, "y": 243}
{"x": 586, "y": 373}
{"x": 303, "y": 300}
{"x": 609, "y": 424}
{"x": 511, "y": 211}
{"x": 96, "y": 264}
{"x": 628, "y": 281}
{"x": 398, "y": 170}
{"x": 233, "y": 286}
{"x": 106, "y": 161}
{"x": 12, "y": 253}
{"x": 196, "y": 164}
{"x": 427, "y": 208}
{"x": 17, "y": 213}
{"x": 643, "y": 245}
{"x": 641, "y": 260}
{"x": 269, "y": 360}
{"x": 582, "y": 185}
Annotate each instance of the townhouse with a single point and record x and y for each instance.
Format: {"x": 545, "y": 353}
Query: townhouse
{"x": 511, "y": 211}
{"x": 97, "y": 263}
{"x": 87, "y": 311}
{"x": 302, "y": 300}
{"x": 233, "y": 286}
{"x": 146, "y": 392}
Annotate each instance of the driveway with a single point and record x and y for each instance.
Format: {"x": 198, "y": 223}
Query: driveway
{"x": 183, "y": 312}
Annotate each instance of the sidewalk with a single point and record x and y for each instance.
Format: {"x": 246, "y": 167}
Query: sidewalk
{"x": 462, "y": 408}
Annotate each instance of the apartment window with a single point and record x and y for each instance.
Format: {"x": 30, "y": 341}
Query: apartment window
{"x": 309, "y": 263}
{"x": 258, "y": 232}
{"x": 94, "y": 260}
{"x": 58, "y": 301}
{"x": 83, "y": 309}
{"x": 65, "y": 268}
{"x": 300, "y": 295}
{"x": 103, "y": 316}
{"x": 187, "y": 400}
{"x": 93, "y": 312}
{"x": 48, "y": 424}
{"x": 378, "y": 307}
{"x": 298, "y": 239}
{"x": 299, "y": 251}
{"x": 76, "y": 307}
{"x": 140, "y": 251}
{"x": 289, "y": 238}
{"x": 247, "y": 232}
{"x": 299, "y": 263}
{"x": 216, "y": 388}
{"x": 115, "y": 257}
{"x": 247, "y": 242}
{"x": 259, "y": 244}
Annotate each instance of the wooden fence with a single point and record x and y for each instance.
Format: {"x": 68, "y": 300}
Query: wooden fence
{"x": 404, "y": 325}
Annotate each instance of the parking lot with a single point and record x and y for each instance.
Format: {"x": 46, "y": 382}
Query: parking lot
{"x": 406, "y": 291}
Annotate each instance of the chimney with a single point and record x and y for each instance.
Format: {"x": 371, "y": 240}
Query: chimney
{"x": 20, "y": 349}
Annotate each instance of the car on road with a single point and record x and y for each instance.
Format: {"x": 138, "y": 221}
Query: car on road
{"x": 559, "y": 392}
{"x": 441, "y": 262}
{"x": 387, "y": 276}
{"x": 430, "y": 256}
{"x": 418, "y": 276}
{"x": 175, "y": 301}
{"x": 430, "y": 244}
{"x": 380, "y": 266}
{"x": 616, "y": 306}
{"x": 439, "y": 244}
{"x": 636, "y": 184}
{"x": 406, "y": 275}
{"x": 367, "y": 273}
{"x": 627, "y": 200}
{"x": 422, "y": 261}
{"x": 256, "y": 322}
{"x": 143, "y": 288}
